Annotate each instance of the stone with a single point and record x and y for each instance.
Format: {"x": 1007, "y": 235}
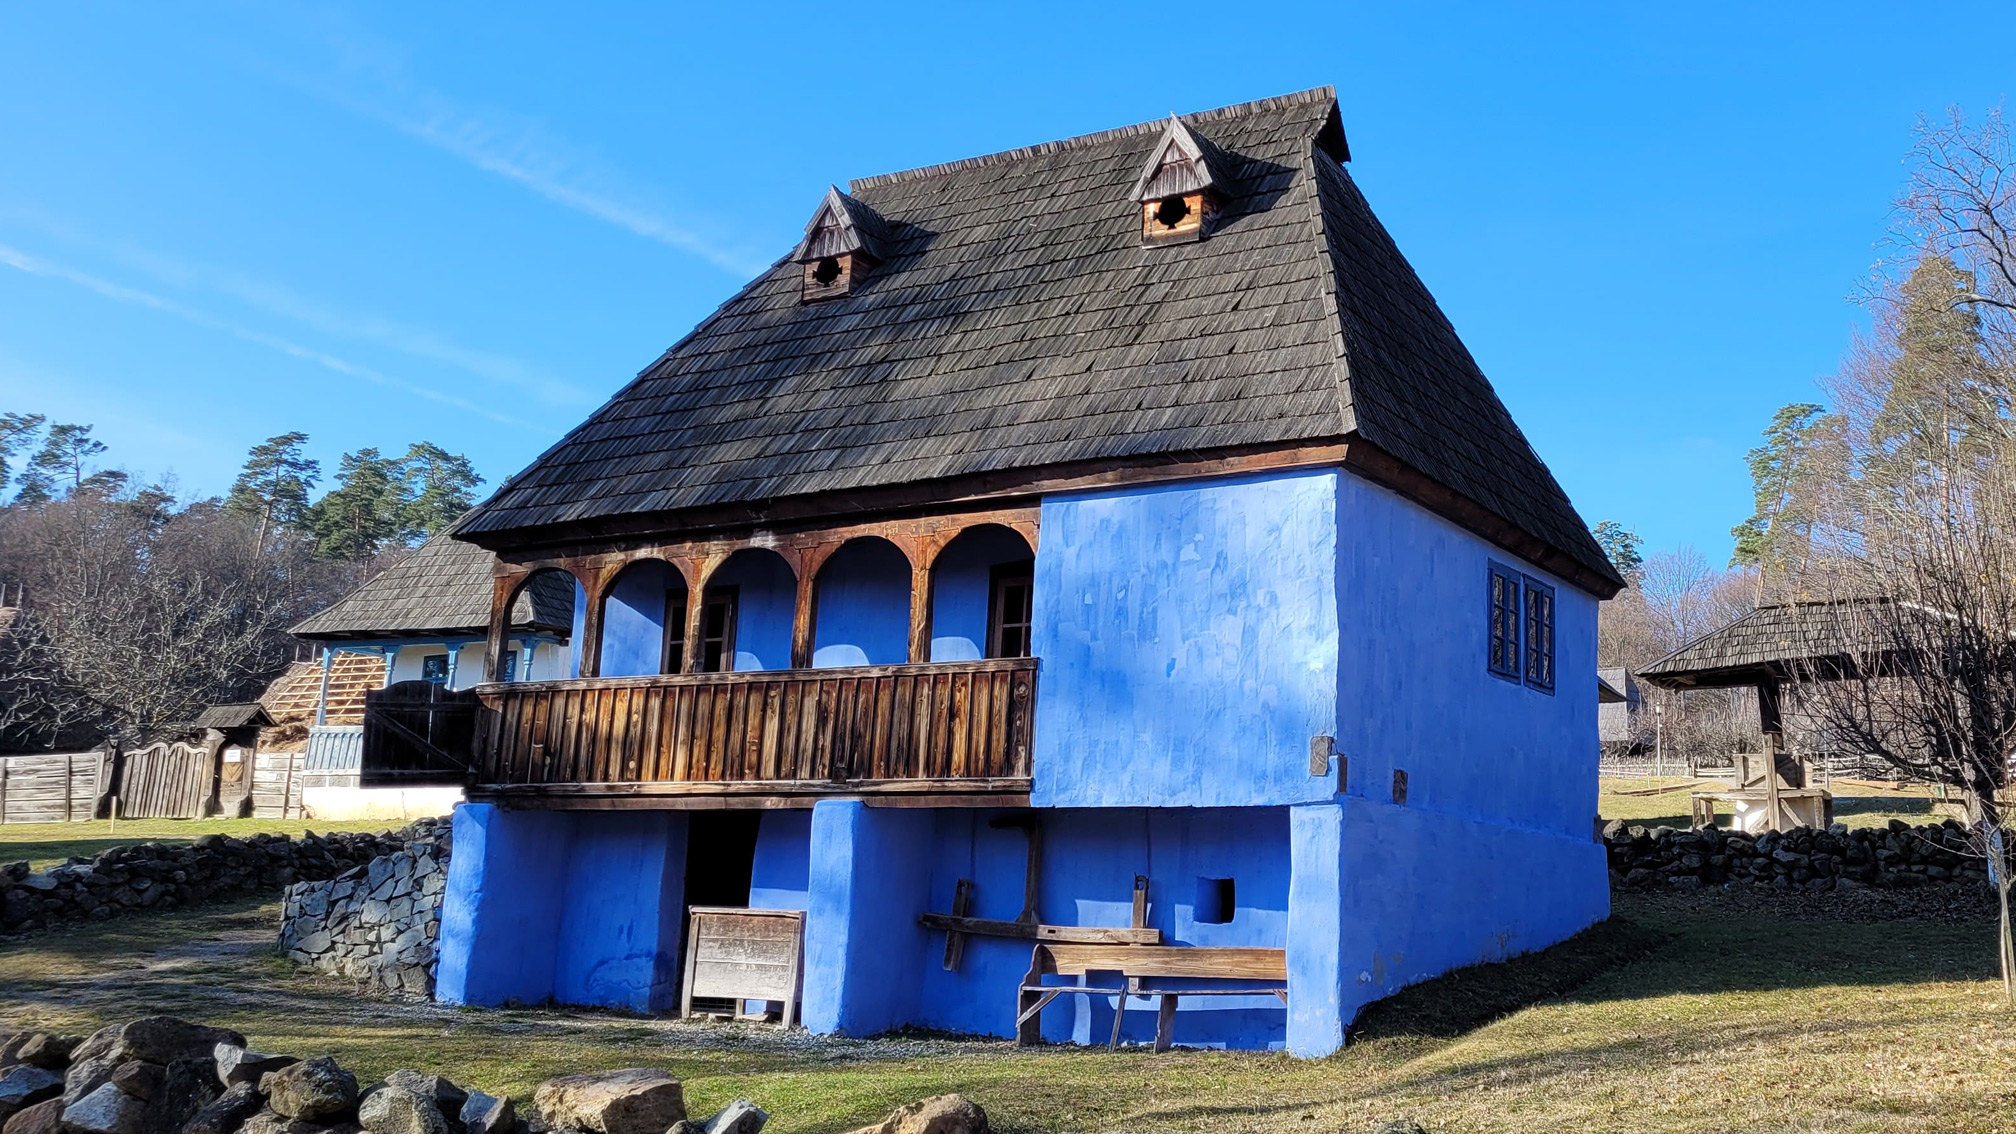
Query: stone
{"x": 688, "y": 1126}
{"x": 157, "y": 1039}
{"x": 42, "y": 1118}
{"x": 87, "y": 1075}
{"x": 269, "y": 1121}
{"x": 313, "y": 1091}
{"x": 635, "y": 1100}
{"x": 487, "y": 1114}
{"x": 738, "y": 1117}
{"x": 237, "y": 1065}
{"x": 106, "y": 1110}
{"x": 393, "y": 1109}
{"x": 188, "y": 1086}
{"x": 140, "y": 1079}
{"x": 48, "y": 1050}
{"x": 939, "y": 1114}
{"x": 24, "y": 1084}
{"x": 227, "y": 1112}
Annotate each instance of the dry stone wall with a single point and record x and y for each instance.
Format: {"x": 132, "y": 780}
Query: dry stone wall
{"x": 378, "y": 923}
{"x": 1898, "y": 856}
{"x": 143, "y": 876}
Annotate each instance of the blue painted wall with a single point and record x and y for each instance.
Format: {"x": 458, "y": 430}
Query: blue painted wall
{"x": 622, "y": 908}
{"x": 1413, "y": 691}
{"x": 781, "y": 877}
{"x": 869, "y": 879}
{"x": 769, "y": 599}
{"x": 633, "y": 619}
{"x": 1188, "y": 637}
{"x": 581, "y": 907}
{"x": 863, "y": 607}
{"x": 961, "y": 582}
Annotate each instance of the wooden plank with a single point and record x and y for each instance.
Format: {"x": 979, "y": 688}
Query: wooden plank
{"x": 1228, "y": 962}
{"x": 955, "y": 939}
{"x": 1031, "y": 931}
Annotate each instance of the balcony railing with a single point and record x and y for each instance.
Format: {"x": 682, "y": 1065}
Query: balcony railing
{"x": 948, "y": 728}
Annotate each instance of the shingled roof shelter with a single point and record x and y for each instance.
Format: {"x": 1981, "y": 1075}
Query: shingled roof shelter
{"x": 1156, "y": 420}
{"x": 425, "y": 612}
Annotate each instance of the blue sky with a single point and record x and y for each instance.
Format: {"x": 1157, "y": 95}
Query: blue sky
{"x": 472, "y": 223}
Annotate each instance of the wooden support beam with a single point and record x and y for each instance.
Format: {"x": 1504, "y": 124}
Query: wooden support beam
{"x": 1030, "y": 931}
{"x": 920, "y": 614}
{"x": 955, "y": 940}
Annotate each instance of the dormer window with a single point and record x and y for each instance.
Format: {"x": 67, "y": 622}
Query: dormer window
{"x": 842, "y": 242}
{"x": 1178, "y": 189}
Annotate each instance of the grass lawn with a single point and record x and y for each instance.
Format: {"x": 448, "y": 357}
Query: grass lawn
{"x": 1637, "y": 800}
{"x": 46, "y": 844}
{"x": 1705, "y": 1012}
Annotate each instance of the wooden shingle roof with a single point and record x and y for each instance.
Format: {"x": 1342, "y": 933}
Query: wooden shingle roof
{"x": 1018, "y": 323}
{"x": 292, "y": 695}
{"x": 442, "y": 588}
{"x": 1778, "y": 641}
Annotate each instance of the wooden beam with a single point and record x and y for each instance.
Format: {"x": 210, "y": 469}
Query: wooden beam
{"x": 955, "y": 940}
{"x": 1032, "y": 931}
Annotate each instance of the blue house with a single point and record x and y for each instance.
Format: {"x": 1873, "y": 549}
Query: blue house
{"x": 1104, "y": 541}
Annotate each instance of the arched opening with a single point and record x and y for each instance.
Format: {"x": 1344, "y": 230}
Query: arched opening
{"x": 644, "y": 620}
{"x": 982, "y": 587}
{"x": 542, "y": 636}
{"x": 746, "y": 620}
{"x": 863, "y": 606}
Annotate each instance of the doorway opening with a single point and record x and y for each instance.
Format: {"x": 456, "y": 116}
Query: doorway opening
{"x": 720, "y": 863}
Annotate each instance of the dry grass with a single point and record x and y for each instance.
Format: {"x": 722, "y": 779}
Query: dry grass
{"x": 46, "y": 844}
{"x": 1698, "y": 1016}
{"x": 1620, "y": 797}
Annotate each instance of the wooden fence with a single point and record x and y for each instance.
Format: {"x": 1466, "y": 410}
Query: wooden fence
{"x": 417, "y": 732}
{"x": 165, "y": 781}
{"x": 55, "y": 787}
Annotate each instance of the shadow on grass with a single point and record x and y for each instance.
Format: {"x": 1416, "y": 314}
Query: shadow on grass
{"x": 1468, "y": 998}
{"x": 1883, "y": 805}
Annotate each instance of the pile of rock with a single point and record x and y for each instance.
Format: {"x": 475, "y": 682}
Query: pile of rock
{"x": 379, "y": 922}
{"x": 1898, "y": 856}
{"x": 167, "y": 875}
{"x": 160, "y": 1075}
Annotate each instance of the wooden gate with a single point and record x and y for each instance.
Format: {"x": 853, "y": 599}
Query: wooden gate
{"x": 417, "y": 732}
{"x": 55, "y": 787}
{"x": 165, "y": 781}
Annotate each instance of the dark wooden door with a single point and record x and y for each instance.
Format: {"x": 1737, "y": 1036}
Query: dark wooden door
{"x": 417, "y": 732}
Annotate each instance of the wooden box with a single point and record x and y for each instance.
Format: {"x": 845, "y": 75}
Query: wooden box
{"x": 746, "y": 954}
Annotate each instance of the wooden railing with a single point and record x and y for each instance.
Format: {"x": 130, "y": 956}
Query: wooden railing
{"x": 948, "y": 728}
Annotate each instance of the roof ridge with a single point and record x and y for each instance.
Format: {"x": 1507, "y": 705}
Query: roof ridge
{"x": 1313, "y": 95}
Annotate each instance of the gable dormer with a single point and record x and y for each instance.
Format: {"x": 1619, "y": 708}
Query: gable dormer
{"x": 1180, "y": 187}
{"x": 842, "y": 242}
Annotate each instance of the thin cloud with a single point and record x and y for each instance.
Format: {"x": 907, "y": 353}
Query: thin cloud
{"x": 36, "y": 266}
{"x": 374, "y": 85}
{"x": 279, "y": 300}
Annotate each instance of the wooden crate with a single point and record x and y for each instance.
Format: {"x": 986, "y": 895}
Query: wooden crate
{"x": 744, "y": 954}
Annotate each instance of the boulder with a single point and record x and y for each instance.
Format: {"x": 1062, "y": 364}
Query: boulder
{"x": 24, "y": 1084}
{"x": 738, "y": 1117}
{"x": 486, "y": 1114}
{"x": 940, "y": 1114}
{"x": 48, "y": 1050}
{"x": 89, "y": 1074}
{"x": 188, "y": 1086}
{"x": 106, "y": 1110}
{"x": 313, "y": 1091}
{"x": 446, "y": 1096}
{"x": 140, "y": 1079}
{"x": 269, "y": 1121}
{"x": 227, "y": 1112}
{"x": 156, "y": 1039}
{"x": 391, "y": 1109}
{"x": 42, "y": 1118}
{"x": 237, "y": 1065}
{"x": 636, "y": 1100}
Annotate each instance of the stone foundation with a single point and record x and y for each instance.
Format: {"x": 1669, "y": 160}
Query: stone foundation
{"x": 378, "y": 923}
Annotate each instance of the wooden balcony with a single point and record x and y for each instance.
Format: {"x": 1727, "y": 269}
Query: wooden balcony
{"x": 942, "y": 734}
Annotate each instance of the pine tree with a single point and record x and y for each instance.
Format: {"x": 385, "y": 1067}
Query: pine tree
{"x": 64, "y": 463}
{"x": 274, "y": 484}
{"x": 1622, "y": 546}
{"x": 439, "y": 487}
{"x": 17, "y": 430}
{"x": 1943, "y": 399}
{"x": 358, "y": 517}
{"x": 1782, "y": 476}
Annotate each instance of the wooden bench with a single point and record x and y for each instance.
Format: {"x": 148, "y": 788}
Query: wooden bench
{"x": 1260, "y": 971}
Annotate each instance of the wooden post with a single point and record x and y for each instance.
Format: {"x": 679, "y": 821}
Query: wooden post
{"x": 503, "y": 593}
{"x": 322, "y": 697}
{"x": 590, "y": 650}
{"x": 920, "y": 613}
{"x": 955, "y": 941}
{"x": 454, "y": 661}
{"x": 804, "y": 617}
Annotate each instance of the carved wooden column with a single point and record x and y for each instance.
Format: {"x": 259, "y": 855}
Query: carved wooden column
{"x": 593, "y": 580}
{"x": 503, "y": 589}
{"x": 699, "y": 575}
{"x": 805, "y": 615}
{"x": 923, "y": 553}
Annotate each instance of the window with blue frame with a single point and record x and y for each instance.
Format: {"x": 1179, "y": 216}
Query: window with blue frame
{"x": 1522, "y": 628}
{"x": 1504, "y": 610}
{"x": 434, "y": 668}
{"x": 1539, "y": 635}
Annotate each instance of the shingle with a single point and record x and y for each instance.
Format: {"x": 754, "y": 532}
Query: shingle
{"x": 443, "y": 587}
{"x": 1017, "y": 322}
